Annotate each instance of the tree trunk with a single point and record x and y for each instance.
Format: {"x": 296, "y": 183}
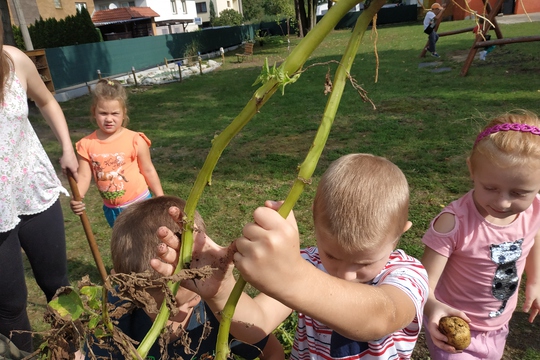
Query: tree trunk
{"x": 9, "y": 39}
{"x": 301, "y": 18}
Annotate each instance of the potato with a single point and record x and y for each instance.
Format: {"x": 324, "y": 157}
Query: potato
{"x": 456, "y": 330}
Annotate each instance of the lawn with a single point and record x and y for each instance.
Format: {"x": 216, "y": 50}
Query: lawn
{"x": 424, "y": 121}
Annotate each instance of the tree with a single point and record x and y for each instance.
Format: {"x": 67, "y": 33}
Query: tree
{"x": 6, "y": 23}
{"x": 253, "y": 9}
{"x": 212, "y": 13}
{"x": 229, "y": 17}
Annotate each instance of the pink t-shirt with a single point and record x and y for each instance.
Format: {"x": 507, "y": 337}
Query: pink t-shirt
{"x": 115, "y": 166}
{"x": 315, "y": 340}
{"x": 485, "y": 262}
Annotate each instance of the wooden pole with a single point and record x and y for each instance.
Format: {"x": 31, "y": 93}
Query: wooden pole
{"x": 493, "y": 11}
{"x": 520, "y": 39}
{"x": 88, "y": 231}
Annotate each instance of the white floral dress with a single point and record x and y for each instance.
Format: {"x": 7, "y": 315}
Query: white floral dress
{"x": 28, "y": 182}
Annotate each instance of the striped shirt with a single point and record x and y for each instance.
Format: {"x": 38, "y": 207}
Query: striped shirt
{"x": 315, "y": 340}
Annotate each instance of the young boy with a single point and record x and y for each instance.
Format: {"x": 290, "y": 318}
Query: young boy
{"x": 430, "y": 21}
{"x": 133, "y": 244}
{"x": 357, "y": 296}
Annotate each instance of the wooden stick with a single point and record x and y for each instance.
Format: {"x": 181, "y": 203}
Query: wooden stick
{"x": 88, "y": 230}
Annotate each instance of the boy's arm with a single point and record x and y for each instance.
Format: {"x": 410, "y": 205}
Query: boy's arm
{"x": 532, "y": 288}
{"x": 147, "y": 168}
{"x": 253, "y": 318}
{"x": 269, "y": 258}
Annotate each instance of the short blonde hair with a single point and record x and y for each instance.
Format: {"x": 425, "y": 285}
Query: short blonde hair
{"x": 134, "y": 240}
{"x": 363, "y": 200}
{"x": 508, "y": 148}
{"x": 109, "y": 90}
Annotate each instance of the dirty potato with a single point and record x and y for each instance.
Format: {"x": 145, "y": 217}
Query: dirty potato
{"x": 456, "y": 330}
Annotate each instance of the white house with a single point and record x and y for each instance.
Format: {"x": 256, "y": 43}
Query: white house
{"x": 203, "y": 7}
{"x": 175, "y": 16}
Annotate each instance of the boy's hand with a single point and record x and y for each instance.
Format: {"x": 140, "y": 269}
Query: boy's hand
{"x": 205, "y": 252}
{"x": 269, "y": 250}
{"x": 432, "y": 323}
{"x": 77, "y": 207}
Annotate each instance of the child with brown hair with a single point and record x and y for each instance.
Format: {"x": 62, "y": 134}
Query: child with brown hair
{"x": 478, "y": 247}
{"x": 117, "y": 158}
{"x": 194, "y": 328}
{"x": 356, "y": 295}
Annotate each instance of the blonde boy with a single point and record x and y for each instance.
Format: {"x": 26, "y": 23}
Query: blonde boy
{"x": 133, "y": 244}
{"x": 357, "y": 297}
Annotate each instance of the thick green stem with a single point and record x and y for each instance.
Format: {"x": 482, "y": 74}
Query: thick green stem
{"x": 310, "y": 163}
{"x": 291, "y": 65}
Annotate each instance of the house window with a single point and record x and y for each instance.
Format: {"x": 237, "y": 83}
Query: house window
{"x": 80, "y": 5}
{"x": 228, "y": 4}
{"x": 57, "y": 4}
{"x": 173, "y": 6}
{"x": 201, "y": 7}
{"x": 128, "y": 4}
{"x": 102, "y": 7}
{"x": 184, "y": 6}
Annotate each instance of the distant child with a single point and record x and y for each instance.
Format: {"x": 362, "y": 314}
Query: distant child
{"x": 117, "y": 158}
{"x": 481, "y": 29}
{"x": 478, "y": 247}
{"x": 357, "y": 296}
{"x": 430, "y": 21}
{"x": 195, "y": 327}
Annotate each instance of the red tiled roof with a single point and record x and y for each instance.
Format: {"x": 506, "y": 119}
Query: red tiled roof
{"x": 122, "y": 14}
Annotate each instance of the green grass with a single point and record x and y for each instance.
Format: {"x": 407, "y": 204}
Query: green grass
{"x": 425, "y": 122}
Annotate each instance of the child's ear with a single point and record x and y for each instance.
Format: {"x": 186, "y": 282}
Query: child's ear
{"x": 407, "y": 226}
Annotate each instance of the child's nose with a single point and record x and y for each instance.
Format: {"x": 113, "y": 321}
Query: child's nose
{"x": 347, "y": 273}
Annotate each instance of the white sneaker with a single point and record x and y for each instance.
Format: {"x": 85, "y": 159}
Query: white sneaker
{"x": 483, "y": 54}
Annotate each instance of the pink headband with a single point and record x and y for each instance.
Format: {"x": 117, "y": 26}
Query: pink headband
{"x": 507, "y": 127}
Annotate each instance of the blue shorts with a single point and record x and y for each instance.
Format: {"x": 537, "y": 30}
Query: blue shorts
{"x": 112, "y": 213}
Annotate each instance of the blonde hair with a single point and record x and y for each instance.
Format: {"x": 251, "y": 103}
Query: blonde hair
{"x": 509, "y": 148}
{"x": 362, "y": 200}
{"x": 134, "y": 240}
{"x": 109, "y": 90}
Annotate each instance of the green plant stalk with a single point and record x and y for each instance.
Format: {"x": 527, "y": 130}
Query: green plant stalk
{"x": 310, "y": 163}
{"x": 292, "y": 64}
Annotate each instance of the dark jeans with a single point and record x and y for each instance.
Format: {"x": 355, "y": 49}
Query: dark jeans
{"x": 43, "y": 239}
{"x": 432, "y": 40}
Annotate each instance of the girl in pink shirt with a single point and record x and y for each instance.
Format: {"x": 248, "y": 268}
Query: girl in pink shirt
{"x": 117, "y": 158}
{"x": 478, "y": 247}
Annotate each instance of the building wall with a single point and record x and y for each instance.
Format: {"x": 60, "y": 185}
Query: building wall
{"x": 58, "y": 9}
{"x": 530, "y": 6}
{"x": 520, "y": 7}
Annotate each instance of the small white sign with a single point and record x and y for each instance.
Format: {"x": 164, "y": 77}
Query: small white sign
{"x": 198, "y": 21}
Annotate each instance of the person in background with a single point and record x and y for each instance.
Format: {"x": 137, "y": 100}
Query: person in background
{"x": 480, "y": 29}
{"x": 430, "y": 21}
{"x": 30, "y": 212}
{"x": 117, "y": 158}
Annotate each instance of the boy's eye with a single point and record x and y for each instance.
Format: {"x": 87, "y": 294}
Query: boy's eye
{"x": 489, "y": 188}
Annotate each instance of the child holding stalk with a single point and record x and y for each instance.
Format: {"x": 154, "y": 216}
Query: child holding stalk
{"x": 193, "y": 329}
{"x": 357, "y": 296}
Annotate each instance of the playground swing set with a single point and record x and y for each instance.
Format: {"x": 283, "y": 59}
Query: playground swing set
{"x": 480, "y": 40}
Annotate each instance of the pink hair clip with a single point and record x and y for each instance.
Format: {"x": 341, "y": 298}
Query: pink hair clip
{"x": 507, "y": 127}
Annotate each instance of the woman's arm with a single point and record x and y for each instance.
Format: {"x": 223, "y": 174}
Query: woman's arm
{"x": 50, "y": 109}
